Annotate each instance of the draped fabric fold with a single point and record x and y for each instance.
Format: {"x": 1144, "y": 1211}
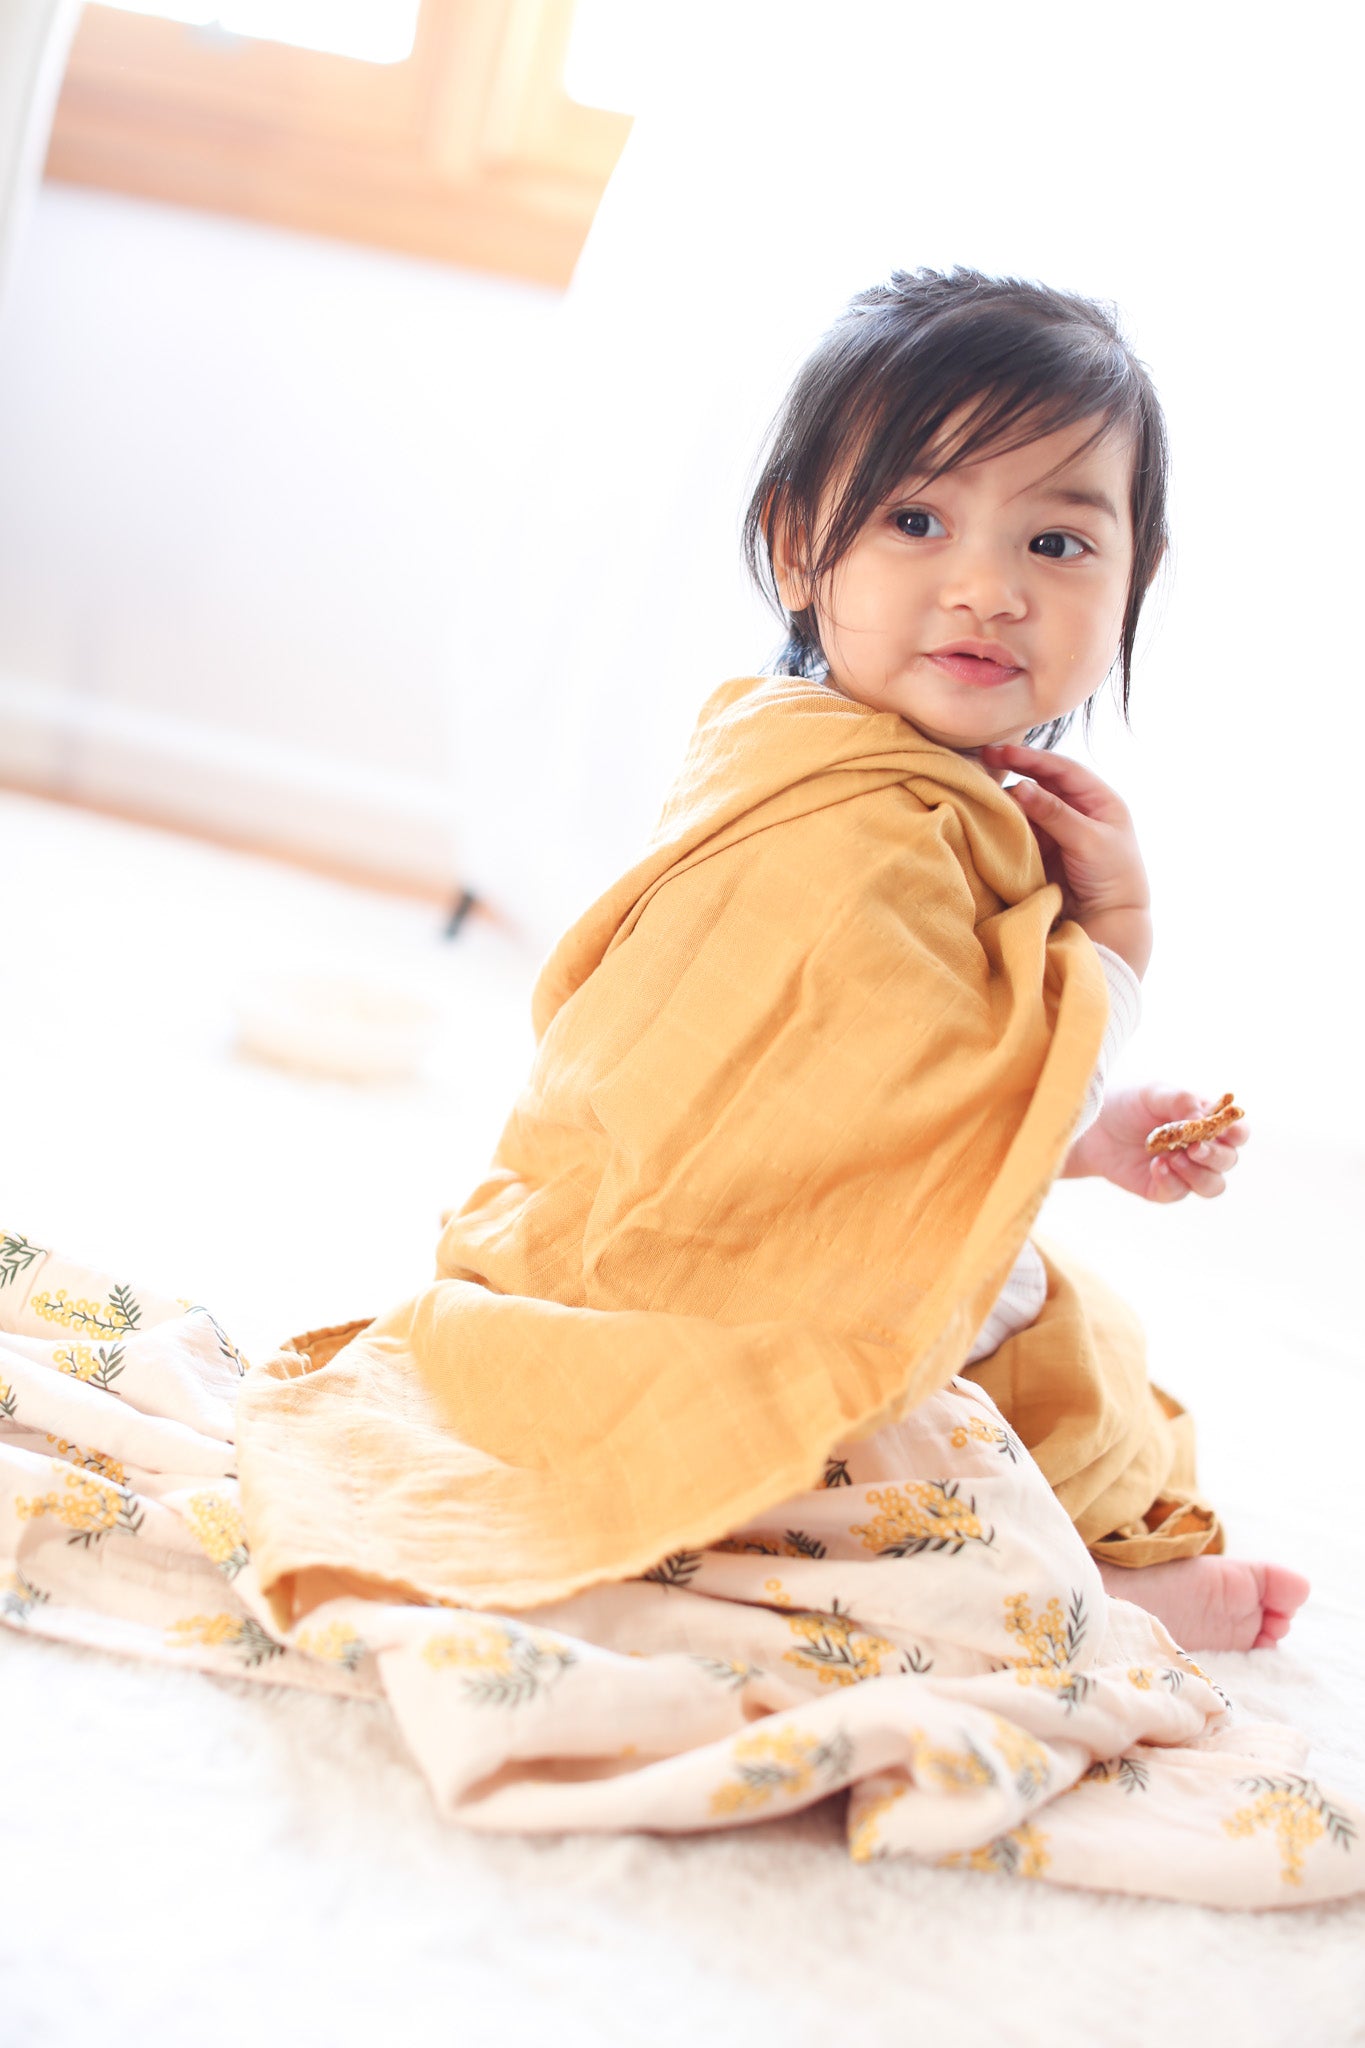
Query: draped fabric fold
{"x": 803, "y": 1078}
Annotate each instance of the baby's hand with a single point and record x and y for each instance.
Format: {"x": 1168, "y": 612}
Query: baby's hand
{"x": 1088, "y": 844}
{"x": 1115, "y": 1146}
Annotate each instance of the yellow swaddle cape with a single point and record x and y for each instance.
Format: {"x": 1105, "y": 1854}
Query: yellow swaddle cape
{"x": 804, "y": 1076}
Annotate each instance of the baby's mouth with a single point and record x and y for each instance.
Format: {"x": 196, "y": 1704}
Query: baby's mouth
{"x": 975, "y": 668}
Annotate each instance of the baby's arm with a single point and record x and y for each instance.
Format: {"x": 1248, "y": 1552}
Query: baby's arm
{"x": 1089, "y": 849}
{"x": 1125, "y": 1011}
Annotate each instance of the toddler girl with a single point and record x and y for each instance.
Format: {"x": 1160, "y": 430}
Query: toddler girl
{"x": 680, "y": 1447}
{"x": 960, "y": 515}
{"x": 805, "y": 1072}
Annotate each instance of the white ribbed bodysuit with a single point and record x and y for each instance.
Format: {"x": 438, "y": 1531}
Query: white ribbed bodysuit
{"x": 1020, "y": 1300}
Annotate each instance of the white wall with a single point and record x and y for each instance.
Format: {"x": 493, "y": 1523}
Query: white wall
{"x": 345, "y": 506}
{"x": 1193, "y": 164}
{"x": 241, "y": 477}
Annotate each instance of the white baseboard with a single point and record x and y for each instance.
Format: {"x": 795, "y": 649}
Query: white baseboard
{"x": 222, "y": 785}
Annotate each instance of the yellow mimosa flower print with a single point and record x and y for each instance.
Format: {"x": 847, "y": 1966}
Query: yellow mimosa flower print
{"x": 774, "y": 1763}
{"x": 19, "y": 1596}
{"x": 217, "y": 1524}
{"x": 864, "y": 1840}
{"x": 1050, "y": 1642}
{"x": 8, "y": 1403}
{"x": 111, "y": 1318}
{"x": 1025, "y": 1758}
{"x": 832, "y": 1646}
{"x": 794, "y": 1543}
{"x": 679, "y": 1568}
{"x": 500, "y": 1663}
{"x": 242, "y": 1634}
{"x": 727, "y": 1672}
{"x": 1175, "y": 1678}
{"x": 1130, "y": 1772}
{"x": 97, "y": 1367}
{"x": 16, "y": 1256}
{"x": 1139, "y": 1675}
{"x": 921, "y": 1514}
{"x": 950, "y": 1770}
{"x": 945, "y": 1769}
{"x": 1023, "y": 1852}
{"x": 90, "y": 1507}
{"x": 227, "y": 1349}
{"x": 979, "y": 1431}
{"x": 93, "y": 1461}
{"x": 205, "y": 1628}
{"x": 337, "y": 1643}
{"x": 1300, "y": 1816}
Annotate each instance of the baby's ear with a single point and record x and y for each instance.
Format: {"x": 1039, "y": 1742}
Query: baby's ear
{"x": 788, "y": 559}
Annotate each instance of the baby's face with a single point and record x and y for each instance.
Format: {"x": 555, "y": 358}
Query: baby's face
{"x": 990, "y": 553}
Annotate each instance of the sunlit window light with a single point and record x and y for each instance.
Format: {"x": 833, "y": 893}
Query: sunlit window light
{"x": 378, "y": 31}
{"x": 601, "y": 65}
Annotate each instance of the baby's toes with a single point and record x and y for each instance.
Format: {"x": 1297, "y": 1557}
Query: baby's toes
{"x": 1284, "y": 1591}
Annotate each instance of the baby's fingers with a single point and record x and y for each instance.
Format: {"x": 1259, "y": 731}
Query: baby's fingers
{"x": 1220, "y": 1153}
{"x": 1044, "y": 807}
{"x": 1164, "y": 1184}
{"x": 1183, "y": 1174}
{"x": 1078, "y": 786}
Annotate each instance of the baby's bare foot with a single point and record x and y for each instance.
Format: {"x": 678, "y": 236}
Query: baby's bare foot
{"x": 1213, "y": 1603}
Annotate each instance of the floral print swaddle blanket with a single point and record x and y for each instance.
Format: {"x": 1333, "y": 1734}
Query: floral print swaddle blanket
{"x": 923, "y": 1630}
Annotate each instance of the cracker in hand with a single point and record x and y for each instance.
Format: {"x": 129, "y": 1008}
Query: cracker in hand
{"x": 1174, "y": 1137}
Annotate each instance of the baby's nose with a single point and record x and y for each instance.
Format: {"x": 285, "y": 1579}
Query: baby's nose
{"x": 982, "y": 580}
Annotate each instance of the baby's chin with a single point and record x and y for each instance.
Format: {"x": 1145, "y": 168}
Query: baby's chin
{"x": 960, "y": 730}
{"x": 905, "y": 702}
{"x": 967, "y": 745}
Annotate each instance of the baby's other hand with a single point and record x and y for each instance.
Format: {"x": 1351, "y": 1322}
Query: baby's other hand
{"x": 1083, "y": 829}
{"x": 1115, "y": 1146}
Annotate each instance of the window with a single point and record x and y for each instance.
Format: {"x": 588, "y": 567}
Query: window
{"x": 468, "y": 148}
{"x": 379, "y": 31}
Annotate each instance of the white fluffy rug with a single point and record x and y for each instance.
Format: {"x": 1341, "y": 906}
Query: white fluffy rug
{"x": 192, "y": 1859}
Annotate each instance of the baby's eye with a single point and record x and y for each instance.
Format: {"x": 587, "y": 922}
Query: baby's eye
{"x": 1054, "y": 554}
{"x": 904, "y": 523}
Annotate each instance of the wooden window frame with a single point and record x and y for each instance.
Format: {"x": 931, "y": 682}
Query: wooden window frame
{"x": 469, "y": 151}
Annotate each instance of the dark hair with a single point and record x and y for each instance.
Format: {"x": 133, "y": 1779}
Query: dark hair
{"x": 884, "y": 380}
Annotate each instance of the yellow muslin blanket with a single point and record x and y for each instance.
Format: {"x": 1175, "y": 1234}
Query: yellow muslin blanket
{"x": 667, "y": 1506}
{"x": 804, "y": 1076}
